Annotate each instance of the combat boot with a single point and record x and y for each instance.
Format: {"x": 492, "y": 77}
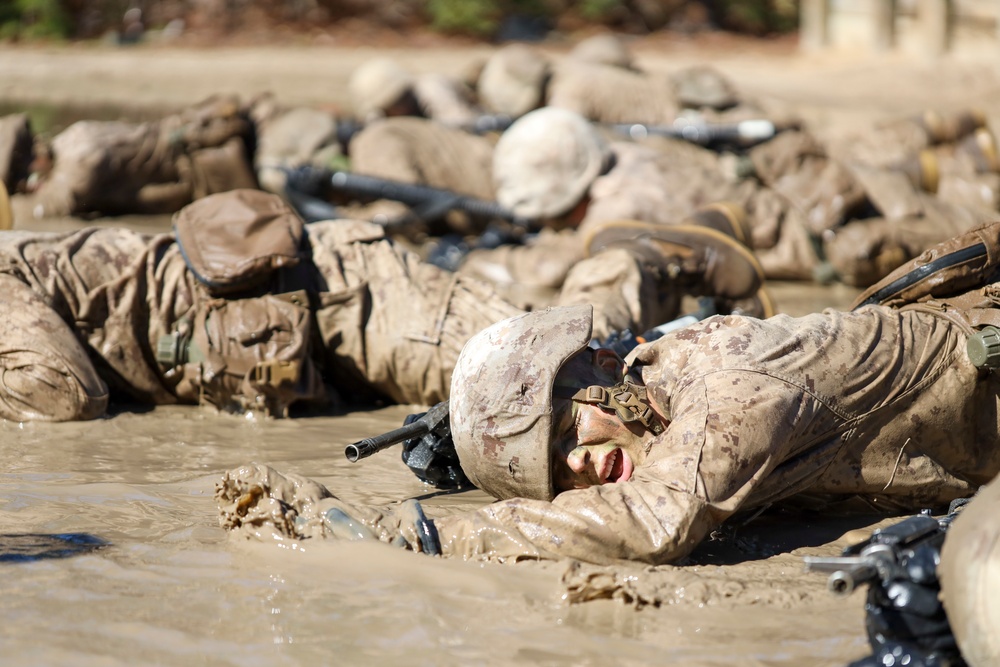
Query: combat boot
{"x": 701, "y": 261}
{"x": 727, "y": 217}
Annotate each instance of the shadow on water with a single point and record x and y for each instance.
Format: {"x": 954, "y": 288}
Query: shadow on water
{"x": 30, "y": 547}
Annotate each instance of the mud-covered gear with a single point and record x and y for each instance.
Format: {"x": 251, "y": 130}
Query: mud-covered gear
{"x": 501, "y": 399}
{"x": 117, "y": 168}
{"x": 626, "y": 399}
{"x": 104, "y": 308}
{"x": 256, "y": 500}
{"x": 905, "y": 620}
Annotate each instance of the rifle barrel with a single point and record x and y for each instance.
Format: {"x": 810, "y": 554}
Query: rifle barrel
{"x": 365, "y": 448}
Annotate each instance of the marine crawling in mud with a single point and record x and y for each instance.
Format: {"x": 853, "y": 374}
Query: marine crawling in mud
{"x": 601, "y": 459}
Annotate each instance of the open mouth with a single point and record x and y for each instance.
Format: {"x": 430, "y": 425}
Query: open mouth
{"x": 617, "y": 467}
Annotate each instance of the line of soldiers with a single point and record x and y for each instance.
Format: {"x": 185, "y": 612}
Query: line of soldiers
{"x": 592, "y": 456}
{"x": 853, "y": 210}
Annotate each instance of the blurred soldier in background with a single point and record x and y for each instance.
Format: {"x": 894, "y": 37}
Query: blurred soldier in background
{"x": 113, "y": 167}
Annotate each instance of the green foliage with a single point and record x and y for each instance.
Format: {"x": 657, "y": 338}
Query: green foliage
{"x": 34, "y": 19}
{"x": 474, "y": 17}
{"x": 598, "y": 10}
{"x": 759, "y": 16}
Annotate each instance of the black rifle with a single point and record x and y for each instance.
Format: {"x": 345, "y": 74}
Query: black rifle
{"x": 885, "y": 556}
{"x": 905, "y": 620}
{"x": 428, "y": 448}
{"x": 743, "y": 133}
{"x": 487, "y": 123}
{"x": 428, "y": 203}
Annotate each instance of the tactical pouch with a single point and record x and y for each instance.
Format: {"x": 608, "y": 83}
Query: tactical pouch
{"x": 238, "y": 239}
{"x": 251, "y": 354}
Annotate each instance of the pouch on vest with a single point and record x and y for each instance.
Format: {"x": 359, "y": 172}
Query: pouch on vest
{"x": 251, "y": 354}
{"x": 235, "y": 240}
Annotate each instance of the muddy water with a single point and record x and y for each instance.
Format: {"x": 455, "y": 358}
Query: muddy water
{"x": 170, "y": 587}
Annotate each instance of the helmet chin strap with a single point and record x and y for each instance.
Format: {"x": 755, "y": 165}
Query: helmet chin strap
{"x": 626, "y": 399}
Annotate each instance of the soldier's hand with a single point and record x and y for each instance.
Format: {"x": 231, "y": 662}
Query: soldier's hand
{"x": 405, "y": 526}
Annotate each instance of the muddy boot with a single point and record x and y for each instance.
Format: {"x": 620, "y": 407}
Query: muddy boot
{"x": 727, "y": 217}
{"x": 966, "y": 262}
{"x": 700, "y": 261}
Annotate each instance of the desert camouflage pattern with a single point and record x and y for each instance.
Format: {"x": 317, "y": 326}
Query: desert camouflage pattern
{"x": 93, "y": 305}
{"x": 416, "y": 150}
{"x": 970, "y": 573}
{"x": 513, "y": 364}
{"x": 647, "y": 185}
{"x": 880, "y": 406}
{"x": 879, "y": 409}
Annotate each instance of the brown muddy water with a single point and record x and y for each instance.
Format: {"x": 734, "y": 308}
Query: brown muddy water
{"x": 169, "y": 587}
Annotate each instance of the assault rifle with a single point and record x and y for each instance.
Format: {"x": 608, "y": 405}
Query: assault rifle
{"x": 428, "y": 449}
{"x": 889, "y": 554}
{"x": 487, "y": 123}
{"x": 743, "y": 133}
{"x": 427, "y": 203}
{"x": 905, "y": 620}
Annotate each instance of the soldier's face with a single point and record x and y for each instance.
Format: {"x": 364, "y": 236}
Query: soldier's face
{"x": 596, "y": 448}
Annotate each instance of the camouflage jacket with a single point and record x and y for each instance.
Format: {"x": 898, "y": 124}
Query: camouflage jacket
{"x": 880, "y": 405}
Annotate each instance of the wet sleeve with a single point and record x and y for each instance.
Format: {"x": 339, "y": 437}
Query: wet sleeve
{"x": 636, "y": 521}
{"x": 45, "y": 374}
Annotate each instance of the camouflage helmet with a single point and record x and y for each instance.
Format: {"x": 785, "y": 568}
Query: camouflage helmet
{"x": 545, "y": 162}
{"x": 377, "y": 85}
{"x": 501, "y": 399}
{"x": 603, "y": 49}
{"x": 512, "y": 81}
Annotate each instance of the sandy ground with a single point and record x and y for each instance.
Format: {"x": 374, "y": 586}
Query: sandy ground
{"x": 168, "y": 587}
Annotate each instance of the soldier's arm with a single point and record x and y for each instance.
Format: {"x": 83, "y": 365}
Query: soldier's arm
{"x": 701, "y": 470}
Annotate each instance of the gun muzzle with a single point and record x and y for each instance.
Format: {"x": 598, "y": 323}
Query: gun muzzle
{"x": 365, "y": 448}
{"x": 843, "y": 582}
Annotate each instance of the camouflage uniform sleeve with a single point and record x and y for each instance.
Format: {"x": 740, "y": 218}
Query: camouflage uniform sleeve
{"x": 718, "y": 455}
{"x": 640, "y": 521}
